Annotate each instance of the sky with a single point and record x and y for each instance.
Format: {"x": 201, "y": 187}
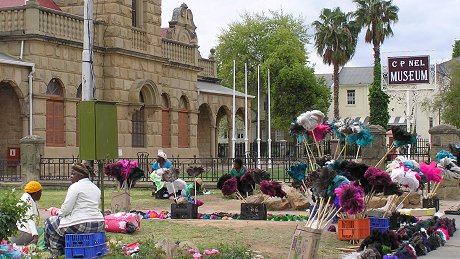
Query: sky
{"x": 425, "y": 27}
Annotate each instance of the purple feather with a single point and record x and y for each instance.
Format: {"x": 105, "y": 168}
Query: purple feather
{"x": 230, "y": 186}
{"x": 351, "y": 198}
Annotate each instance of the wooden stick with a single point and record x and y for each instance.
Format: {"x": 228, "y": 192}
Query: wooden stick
{"x": 345, "y": 152}
{"x": 317, "y": 145}
{"x": 357, "y": 152}
{"x": 318, "y": 211}
{"x": 309, "y": 218}
{"x": 328, "y": 217}
{"x": 343, "y": 148}
{"x": 386, "y": 154}
{"x": 433, "y": 193}
{"x": 336, "y": 148}
{"x": 308, "y": 154}
{"x": 323, "y": 213}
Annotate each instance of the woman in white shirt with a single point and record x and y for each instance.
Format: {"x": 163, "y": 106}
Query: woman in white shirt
{"x": 27, "y": 227}
{"x": 79, "y": 213}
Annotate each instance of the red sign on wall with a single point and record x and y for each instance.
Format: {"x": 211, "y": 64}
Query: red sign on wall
{"x": 14, "y": 154}
{"x": 409, "y": 70}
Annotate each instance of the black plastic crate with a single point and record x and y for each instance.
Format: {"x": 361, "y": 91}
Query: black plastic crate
{"x": 184, "y": 211}
{"x": 394, "y": 221}
{"x": 253, "y": 211}
{"x": 431, "y": 203}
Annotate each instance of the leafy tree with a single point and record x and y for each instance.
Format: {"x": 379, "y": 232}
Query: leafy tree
{"x": 276, "y": 41}
{"x": 456, "y": 49}
{"x": 377, "y": 16}
{"x": 11, "y": 211}
{"x": 336, "y": 36}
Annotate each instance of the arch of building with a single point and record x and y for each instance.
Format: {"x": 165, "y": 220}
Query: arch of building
{"x": 13, "y": 111}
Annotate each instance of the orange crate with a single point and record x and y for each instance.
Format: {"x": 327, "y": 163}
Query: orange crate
{"x": 353, "y": 229}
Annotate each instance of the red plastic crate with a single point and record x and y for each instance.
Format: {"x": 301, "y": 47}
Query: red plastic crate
{"x": 353, "y": 229}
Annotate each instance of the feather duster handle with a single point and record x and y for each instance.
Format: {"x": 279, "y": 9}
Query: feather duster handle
{"x": 310, "y": 119}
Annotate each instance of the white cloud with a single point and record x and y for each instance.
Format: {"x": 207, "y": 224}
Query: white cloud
{"x": 425, "y": 27}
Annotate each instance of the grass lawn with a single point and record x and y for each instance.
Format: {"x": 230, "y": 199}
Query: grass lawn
{"x": 271, "y": 238}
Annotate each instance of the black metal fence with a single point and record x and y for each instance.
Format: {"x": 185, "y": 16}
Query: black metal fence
{"x": 10, "y": 171}
{"x": 419, "y": 152}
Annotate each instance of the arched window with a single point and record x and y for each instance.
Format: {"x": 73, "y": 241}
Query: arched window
{"x": 55, "y": 125}
{"x": 138, "y": 125}
{"x": 184, "y": 138}
{"x": 165, "y": 121}
{"x": 77, "y": 120}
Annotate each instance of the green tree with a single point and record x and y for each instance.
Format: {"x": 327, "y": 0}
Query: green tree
{"x": 11, "y": 211}
{"x": 276, "y": 42}
{"x": 377, "y": 16}
{"x": 336, "y": 36}
{"x": 456, "y": 49}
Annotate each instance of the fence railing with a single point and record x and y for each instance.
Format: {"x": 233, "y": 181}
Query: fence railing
{"x": 419, "y": 152}
{"x": 178, "y": 52}
{"x": 10, "y": 171}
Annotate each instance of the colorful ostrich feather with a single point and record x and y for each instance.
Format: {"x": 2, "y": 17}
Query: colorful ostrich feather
{"x": 298, "y": 171}
{"x": 431, "y": 172}
{"x": 320, "y": 132}
{"x": 351, "y": 198}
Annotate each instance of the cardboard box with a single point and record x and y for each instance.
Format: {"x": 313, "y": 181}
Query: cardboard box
{"x": 305, "y": 243}
{"x": 121, "y": 201}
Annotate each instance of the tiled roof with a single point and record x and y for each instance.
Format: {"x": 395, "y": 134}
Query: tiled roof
{"x": 356, "y": 76}
{"x": 44, "y": 3}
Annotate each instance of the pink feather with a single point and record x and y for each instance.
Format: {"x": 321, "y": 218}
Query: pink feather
{"x": 431, "y": 172}
{"x": 320, "y": 132}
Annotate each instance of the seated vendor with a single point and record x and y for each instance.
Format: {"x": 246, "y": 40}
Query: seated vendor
{"x": 79, "y": 213}
{"x": 190, "y": 190}
{"x": 238, "y": 168}
{"x": 27, "y": 228}
{"x": 162, "y": 163}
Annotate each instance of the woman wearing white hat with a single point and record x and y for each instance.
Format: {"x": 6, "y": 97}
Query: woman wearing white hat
{"x": 158, "y": 166}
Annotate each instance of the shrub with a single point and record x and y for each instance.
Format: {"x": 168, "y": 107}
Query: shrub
{"x": 11, "y": 211}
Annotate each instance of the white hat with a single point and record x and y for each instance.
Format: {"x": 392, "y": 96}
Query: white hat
{"x": 162, "y": 154}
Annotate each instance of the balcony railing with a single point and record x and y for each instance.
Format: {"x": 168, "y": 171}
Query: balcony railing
{"x": 138, "y": 39}
{"x": 61, "y": 25}
{"x": 178, "y": 52}
{"x": 208, "y": 68}
{"x": 12, "y": 20}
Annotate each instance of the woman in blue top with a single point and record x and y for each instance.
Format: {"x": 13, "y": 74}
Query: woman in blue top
{"x": 161, "y": 163}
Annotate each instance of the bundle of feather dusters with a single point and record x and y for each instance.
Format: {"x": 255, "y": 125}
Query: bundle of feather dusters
{"x": 195, "y": 171}
{"x": 410, "y": 241}
{"x": 272, "y": 189}
{"x": 402, "y": 137}
{"x": 347, "y": 126}
{"x": 449, "y": 163}
{"x": 310, "y": 119}
{"x": 170, "y": 175}
{"x": 246, "y": 183}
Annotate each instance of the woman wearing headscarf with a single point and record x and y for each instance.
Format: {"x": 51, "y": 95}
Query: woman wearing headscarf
{"x": 79, "y": 213}
{"x": 28, "y": 232}
{"x": 158, "y": 166}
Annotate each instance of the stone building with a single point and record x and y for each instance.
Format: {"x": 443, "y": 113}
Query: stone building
{"x": 168, "y": 97}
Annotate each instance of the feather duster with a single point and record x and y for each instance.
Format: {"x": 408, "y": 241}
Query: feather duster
{"x": 320, "y": 132}
{"x": 335, "y": 125}
{"x": 194, "y": 171}
{"x": 297, "y": 171}
{"x": 451, "y": 170}
{"x": 402, "y": 137}
{"x": 321, "y": 185}
{"x": 324, "y": 160}
{"x": 297, "y": 131}
{"x": 443, "y": 153}
{"x": 310, "y": 119}
{"x": 406, "y": 252}
{"x": 272, "y": 189}
{"x": 455, "y": 149}
{"x": 134, "y": 176}
{"x": 351, "y": 198}
{"x": 336, "y": 183}
{"x": 377, "y": 178}
{"x": 230, "y": 186}
{"x": 394, "y": 188}
{"x": 364, "y": 137}
{"x": 407, "y": 179}
{"x": 222, "y": 180}
{"x": 247, "y": 179}
{"x": 311, "y": 178}
{"x": 259, "y": 175}
{"x": 431, "y": 172}
{"x": 170, "y": 175}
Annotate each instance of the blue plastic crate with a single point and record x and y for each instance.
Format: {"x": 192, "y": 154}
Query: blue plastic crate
{"x": 86, "y": 252}
{"x": 380, "y": 224}
{"x": 84, "y": 240}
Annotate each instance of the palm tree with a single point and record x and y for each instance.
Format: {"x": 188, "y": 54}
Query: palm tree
{"x": 377, "y": 16}
{"x": 336, "y": 36}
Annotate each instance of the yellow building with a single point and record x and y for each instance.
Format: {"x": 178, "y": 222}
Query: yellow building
{"x": 167, "y": 95}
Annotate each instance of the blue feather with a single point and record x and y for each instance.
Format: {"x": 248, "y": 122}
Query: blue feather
{"x": 443, "y": 154}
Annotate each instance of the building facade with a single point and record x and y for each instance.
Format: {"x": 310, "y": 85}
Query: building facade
{"x": 167, "y": 95}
